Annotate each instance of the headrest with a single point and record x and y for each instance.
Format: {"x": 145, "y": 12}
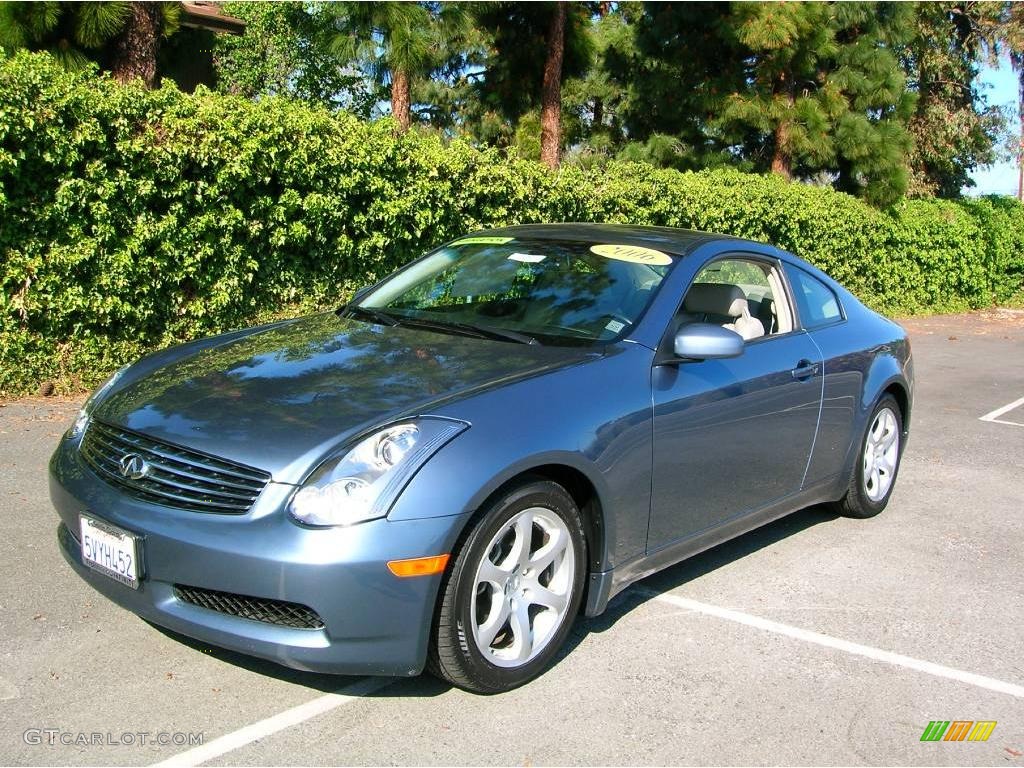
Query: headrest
{"x": 715, "y": 299}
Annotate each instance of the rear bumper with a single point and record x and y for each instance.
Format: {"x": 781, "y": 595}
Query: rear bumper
{"x": 374, "y": 622}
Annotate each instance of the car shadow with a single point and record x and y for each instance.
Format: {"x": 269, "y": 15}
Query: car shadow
{"x": 664, "y": 581}
{"x": 693, "y": 568}
{"x": 424, "y": 685}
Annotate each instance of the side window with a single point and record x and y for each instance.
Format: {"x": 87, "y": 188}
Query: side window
{"x": 818, "y": 304}
{"x": 743, "y": 295}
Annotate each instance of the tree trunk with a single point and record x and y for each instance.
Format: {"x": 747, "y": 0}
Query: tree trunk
{"x": 135, "y": 49}
{"x": 846, "y": 181}
{"x": 1020, "y": 111}
{"x": 1020, "y": 156}
{"x": 551, "y": 91}
{"x": 603, "y": 9}
{"x": 401, "y": 102}
{"x": 782, "y": 159}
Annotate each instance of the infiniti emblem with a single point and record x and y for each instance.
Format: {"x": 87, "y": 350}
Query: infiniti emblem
{"x": 134, "y": 467}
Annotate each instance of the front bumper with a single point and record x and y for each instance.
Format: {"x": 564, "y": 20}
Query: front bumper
{"x": 374, "y": 622}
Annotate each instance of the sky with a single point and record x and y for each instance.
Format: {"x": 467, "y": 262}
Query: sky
{"x": 1001, "y": 89}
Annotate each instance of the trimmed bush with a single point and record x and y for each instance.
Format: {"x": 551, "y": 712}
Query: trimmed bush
{"x": 133, "y": 219}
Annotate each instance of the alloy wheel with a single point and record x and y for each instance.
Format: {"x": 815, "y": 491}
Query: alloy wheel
{"x": 522, "y": 587}
{"x": 881, "y": 454}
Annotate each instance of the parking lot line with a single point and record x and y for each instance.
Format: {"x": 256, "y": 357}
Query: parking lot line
{"x": 876, "y": 654}
{"x": 993, "y": 416}
{"x": 352, "y": 693}
{"x": 294, "y": 716}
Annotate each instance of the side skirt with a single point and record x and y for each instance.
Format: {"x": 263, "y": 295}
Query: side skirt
{"x": 603, "y": 586}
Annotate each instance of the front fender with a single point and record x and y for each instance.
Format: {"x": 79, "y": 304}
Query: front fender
{"x": 459, "y": 481}
{"x": 571, "y": 418}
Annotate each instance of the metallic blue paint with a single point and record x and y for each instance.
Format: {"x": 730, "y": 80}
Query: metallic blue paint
{"x": 675, "y": 456}
{"x": 703, "y": 341}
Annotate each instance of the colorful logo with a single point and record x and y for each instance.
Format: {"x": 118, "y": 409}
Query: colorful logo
{"x": 958, "y": 730}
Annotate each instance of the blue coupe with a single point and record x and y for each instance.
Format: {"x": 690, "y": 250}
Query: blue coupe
{"x": 506, "y": 432}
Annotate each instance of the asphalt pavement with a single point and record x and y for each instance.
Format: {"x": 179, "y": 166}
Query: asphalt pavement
{"x": 814, "y": 641}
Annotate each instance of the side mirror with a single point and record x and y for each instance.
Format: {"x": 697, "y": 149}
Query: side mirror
{"x": 706, "y": 341}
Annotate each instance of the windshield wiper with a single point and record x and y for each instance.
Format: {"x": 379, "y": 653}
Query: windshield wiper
{"x": 369, "y": 313}
{"x": 469, "y": 329}
{"x": 501, "y": 334}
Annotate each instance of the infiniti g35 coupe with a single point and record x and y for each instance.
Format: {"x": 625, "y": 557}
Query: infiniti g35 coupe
{"x": 506, "y": 432}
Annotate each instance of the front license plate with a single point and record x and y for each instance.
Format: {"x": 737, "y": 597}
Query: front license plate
{"x": 112, "y": 551}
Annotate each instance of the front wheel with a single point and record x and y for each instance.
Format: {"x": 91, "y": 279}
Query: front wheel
{"x": 513, "y": 591}
{"x": 878, "y": 464}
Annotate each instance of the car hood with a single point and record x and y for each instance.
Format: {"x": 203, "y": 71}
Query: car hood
{"x": 283, "y": 397}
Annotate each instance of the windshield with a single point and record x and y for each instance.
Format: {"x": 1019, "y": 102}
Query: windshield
{"x": 550, "y": 291}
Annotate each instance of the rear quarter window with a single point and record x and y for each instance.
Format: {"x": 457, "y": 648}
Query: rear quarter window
{"x": 818, "y": 304}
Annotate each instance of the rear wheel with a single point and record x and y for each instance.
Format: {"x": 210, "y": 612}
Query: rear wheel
{"x": 513, "y": 591}
{"x": 874, "y": 475}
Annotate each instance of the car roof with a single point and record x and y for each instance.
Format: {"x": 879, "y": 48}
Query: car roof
{"x": 670, "y": 239}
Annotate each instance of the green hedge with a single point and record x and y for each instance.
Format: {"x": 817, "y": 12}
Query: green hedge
{"x": 133, "y": 219}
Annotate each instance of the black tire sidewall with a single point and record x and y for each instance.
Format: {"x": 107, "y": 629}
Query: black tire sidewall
{"x": 486, "y": 676}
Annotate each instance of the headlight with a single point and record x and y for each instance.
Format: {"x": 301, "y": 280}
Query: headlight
{"x": 82, "y": 420}
{"x": 364, "y": 482}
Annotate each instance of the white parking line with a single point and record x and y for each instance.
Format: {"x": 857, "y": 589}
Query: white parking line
{"x": 876, "y": 654}
{"x": 994, "y": 415}
{"x": 352, "y": 693}
{"x": 294, "y": 716}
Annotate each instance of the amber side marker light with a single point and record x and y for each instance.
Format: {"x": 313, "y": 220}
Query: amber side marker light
{"x": 418, "y": 566}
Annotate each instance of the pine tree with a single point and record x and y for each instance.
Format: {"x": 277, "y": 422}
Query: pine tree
{"x": 73, "y": 33}
{"x": 400, "y": 41}
{"x": 448, "y": 100}
{"x": 954, "y": 131}
{"x": 1012, "y": 35}
{"x": 551, "y": 89}
{"x": 121, "y": 36}
{"x": 871, "y": 138}
{"x": 593, "y": 104}
{"x": 1003, "y": 33}
{"x": 534, "y": 49}
{"x": 134, "y": 49}
{"x": 823, "y": 92}
{"x": 673, "y": 73}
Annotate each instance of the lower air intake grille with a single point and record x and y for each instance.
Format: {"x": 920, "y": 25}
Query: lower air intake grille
{"x": 256, "y": 608}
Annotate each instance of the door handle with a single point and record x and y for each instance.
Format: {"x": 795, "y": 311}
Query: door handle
{"x": 805, "y": 369}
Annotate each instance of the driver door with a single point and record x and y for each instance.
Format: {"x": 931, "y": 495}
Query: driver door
{"x": 734, "y": 435}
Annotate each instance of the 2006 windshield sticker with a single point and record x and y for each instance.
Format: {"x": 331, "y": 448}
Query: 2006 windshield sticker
{"x": 634, "y": 253}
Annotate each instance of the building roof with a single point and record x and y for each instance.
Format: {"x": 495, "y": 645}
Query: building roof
{"x": 206, "y": 14}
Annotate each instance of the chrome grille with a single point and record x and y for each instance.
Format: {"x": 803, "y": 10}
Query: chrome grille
{"x": 177, "y": 477}
{"x": 268, "y": 611}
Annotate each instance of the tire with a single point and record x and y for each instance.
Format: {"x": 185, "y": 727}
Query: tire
{"x": 877, "y": 463}
{"x": 479, "y": 641}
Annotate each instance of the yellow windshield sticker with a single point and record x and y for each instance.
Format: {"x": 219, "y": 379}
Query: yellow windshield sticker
{"x": 634, "y": 253}
{"x": 489, "y": 240}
